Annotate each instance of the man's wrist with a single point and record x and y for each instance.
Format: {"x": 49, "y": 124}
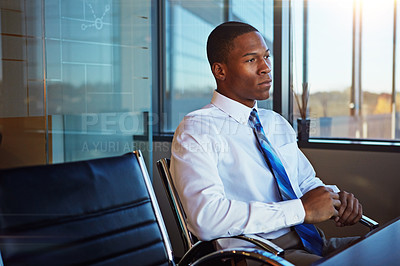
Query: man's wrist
{"x": 334, "y": 188}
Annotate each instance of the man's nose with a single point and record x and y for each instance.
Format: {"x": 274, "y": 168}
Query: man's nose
{"x": 265, "y": 67}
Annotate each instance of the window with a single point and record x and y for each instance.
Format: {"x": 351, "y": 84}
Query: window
{"x": 189, "y": 83}
{"x": 75, "y": 80}
{"x": 343, "y": 50}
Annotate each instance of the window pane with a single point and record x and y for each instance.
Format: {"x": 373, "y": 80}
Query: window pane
{"x": 330, "y": 65}
{"x": 377, "y": 66}
{"x": 98, "y": 76}
{"x": 75, "y": 80}
{"x": 397, "y": 73}
{"x": 259, "y": 14}
{"x": 189, "y": 82}
{"x": 347, "y": 66}
{"x": 22, "y": 120}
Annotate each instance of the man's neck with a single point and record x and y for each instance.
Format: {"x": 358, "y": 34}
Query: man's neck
{"x": 249, "y": 103}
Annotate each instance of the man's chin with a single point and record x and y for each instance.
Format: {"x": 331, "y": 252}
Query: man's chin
{"x": 264, "y": 96}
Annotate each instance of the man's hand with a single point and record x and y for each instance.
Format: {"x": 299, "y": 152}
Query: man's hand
{"x": 320, "y": 204}
{"x": 350, "y": 210}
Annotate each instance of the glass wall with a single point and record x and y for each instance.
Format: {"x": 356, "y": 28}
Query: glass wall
{"x": 75, "y": 80}
{"x": 344, "y": 52}
{"x": 259, "y": 14}
{"x": 189, "y": 83}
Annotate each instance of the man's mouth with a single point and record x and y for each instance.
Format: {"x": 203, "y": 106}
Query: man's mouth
{"x": 268, "y": 81}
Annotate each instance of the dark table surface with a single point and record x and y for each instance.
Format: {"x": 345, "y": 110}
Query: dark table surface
{"x": 380, "y": 247}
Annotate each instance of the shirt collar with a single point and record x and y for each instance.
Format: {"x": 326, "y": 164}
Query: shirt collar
{"x": 234, "y": 109}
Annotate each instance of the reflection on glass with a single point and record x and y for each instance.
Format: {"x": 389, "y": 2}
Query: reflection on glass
{"x": 189, "y": 81}
{"x": 22, "y": 109}
{"x": 260, "y": 15}
{"x": 82, "y": 69}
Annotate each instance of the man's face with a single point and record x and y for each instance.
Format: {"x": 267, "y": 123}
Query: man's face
{"x": 247, "y": 70}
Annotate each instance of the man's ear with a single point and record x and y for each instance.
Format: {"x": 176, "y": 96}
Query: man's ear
{"x": 219, "y": 71}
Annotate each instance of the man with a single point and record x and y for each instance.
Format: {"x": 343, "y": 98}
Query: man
{"x": 224, "y": 176}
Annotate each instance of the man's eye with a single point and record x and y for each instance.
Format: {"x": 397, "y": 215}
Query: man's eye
{"x": 266, "y": 56}
{"x": 251, "y": 60}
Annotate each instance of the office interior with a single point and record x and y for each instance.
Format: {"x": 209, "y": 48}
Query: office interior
{"x": 83, "y": 79}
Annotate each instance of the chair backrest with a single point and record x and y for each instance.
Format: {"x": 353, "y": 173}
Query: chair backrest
{"x": 179, "y": 214}
{"x": 95, "y": 212}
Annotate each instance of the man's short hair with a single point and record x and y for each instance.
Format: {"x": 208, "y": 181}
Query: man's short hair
{"x": 220, "y": 40}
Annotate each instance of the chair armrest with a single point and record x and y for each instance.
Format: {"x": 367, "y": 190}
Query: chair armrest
{"x": 243, "y": 253}
{"x": 202, "y": 248}
{"x": 369, "y": 222}
{"x": 263, "y": 243}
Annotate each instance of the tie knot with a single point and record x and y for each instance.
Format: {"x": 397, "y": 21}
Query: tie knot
{"x": 254, "y": 119}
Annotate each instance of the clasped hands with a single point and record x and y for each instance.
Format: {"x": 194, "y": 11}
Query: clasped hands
{"x": 321, "y": 204}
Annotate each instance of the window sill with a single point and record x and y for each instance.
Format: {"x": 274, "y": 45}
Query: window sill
{"x": 167, "y": 137}
{"x": 351, "y": 144}
{"x": 327, "y": 143}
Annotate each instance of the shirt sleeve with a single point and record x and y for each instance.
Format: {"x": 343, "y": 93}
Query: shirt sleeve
{"x": 210, "y": 214}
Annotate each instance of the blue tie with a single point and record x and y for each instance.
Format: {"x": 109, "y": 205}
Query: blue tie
{"x": 308, "y": 233}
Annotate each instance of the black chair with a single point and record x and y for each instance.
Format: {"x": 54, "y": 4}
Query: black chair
{"x": 95, "y": 212}
{"x": 189, "y": 240}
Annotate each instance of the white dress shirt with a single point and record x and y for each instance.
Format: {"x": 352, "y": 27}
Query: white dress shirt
{"x": 222, "y": 178}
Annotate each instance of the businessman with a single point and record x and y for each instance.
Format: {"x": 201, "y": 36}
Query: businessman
{"x": 237, "y": 168}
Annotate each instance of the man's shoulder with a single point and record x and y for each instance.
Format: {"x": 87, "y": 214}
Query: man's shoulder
{"x": 207, "y": 114}
{"x": 206, "y": 122}
{"x": 208, "y": 110}
{"x": 266, "y": 114}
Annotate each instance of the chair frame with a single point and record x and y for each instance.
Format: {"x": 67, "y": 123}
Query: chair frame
{"x": 155, "y": 205}
{"x": 372, "y": 224}
{"x": 256, "y": 254}
{"x": 175, "y": 203}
